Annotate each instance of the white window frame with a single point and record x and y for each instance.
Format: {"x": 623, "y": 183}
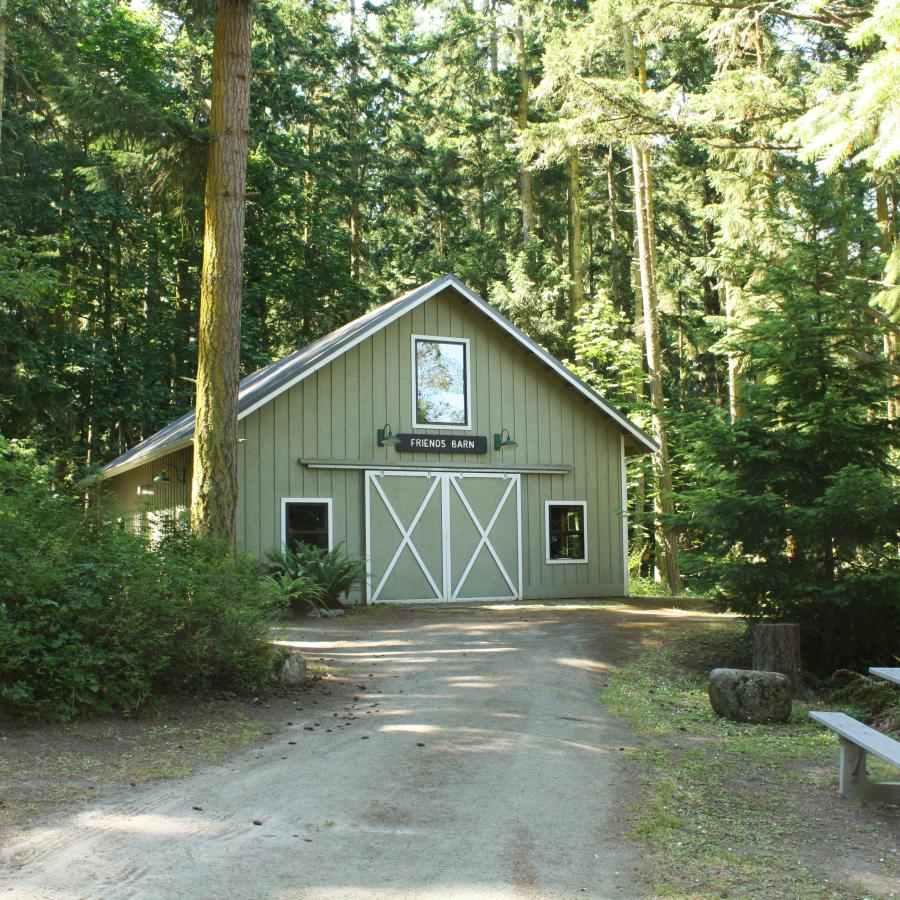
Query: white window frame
{"x": 326, "y": 500}
{"x": 584, "y": 520}
{"x": 415, "y": 380}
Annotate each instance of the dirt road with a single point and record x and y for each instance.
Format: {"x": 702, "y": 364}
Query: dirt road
{"x": 468, "y": 757}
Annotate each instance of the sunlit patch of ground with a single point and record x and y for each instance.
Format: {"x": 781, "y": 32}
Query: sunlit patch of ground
{"x": 730, "y": 810}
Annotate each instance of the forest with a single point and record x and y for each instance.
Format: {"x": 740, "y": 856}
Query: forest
{"x": 692, "y": 202}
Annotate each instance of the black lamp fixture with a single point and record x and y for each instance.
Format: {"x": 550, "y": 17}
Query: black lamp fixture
{"x": 163, "y": 477}
{"x": 504, "y": 439}
{"x": 387, "y": 436}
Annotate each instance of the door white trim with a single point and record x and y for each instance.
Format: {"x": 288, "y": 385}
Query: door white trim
{"x": 406, "y": 539}
{"x": 447, "y": 591}
{"x": 483, "y": 533}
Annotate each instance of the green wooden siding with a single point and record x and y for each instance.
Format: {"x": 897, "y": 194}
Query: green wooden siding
{"x": 333, "y": 414}
{"x": 137, "y": 496}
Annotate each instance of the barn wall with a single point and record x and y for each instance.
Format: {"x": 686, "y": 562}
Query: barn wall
{"x": 141, "y": 500}
{"x": 334, "y": 413}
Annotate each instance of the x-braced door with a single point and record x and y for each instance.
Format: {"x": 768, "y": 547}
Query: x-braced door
{"x": 443, "y": 536}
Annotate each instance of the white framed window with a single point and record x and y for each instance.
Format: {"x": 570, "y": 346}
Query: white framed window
{"x": 442, "y": 382}
{"x": 307, "y": 519}
{"x": 565, "y": 531}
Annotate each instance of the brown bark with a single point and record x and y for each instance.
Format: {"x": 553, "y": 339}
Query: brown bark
{"x": 889, "y": 339}
{"x": 355, "y": 167}
{"x": 526, "y": 201}
{"x": 214, "y": 492}
{"x": 646, "y": 241}
{"x": 576, "y": 290}
{"x": 2, "y": 62}
{"x": 735, "y": 408}
{"x": 777, "y": 649}
{"x": 496, "y": 89}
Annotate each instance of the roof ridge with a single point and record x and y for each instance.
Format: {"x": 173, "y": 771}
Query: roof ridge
{"x": 263, "y": 385}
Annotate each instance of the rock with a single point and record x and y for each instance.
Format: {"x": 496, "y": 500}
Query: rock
{"x": 334, "y": 613}
{"x": 743, "y": 695}
{"x": 291, "y": 669}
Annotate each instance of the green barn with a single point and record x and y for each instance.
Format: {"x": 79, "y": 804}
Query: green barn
{"x": 431, "y": 436}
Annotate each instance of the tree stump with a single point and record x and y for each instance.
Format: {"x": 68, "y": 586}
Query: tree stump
{"x": 777, "y": 649}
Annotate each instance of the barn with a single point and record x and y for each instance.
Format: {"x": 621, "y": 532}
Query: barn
{"x": 431, "y": 436}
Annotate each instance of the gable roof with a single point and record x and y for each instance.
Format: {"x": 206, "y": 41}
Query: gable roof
{"x": 267, "y": 383}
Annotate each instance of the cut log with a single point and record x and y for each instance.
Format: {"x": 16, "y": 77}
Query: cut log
{"x": 777, "y": 649}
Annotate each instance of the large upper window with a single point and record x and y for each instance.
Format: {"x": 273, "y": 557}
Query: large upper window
{"x": 565, "y": 531}
{"x": 307, "y": 521}
{"x": 441, "y": 382}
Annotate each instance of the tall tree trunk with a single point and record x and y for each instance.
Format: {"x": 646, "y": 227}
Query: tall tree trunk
{"x": 2, "y": 62}
{"x": 526, "y": 200}
{"x": 576, "y": 290}
{"x": 355, "y": 167}
{"x": 308, "y": 187}
{"x": 643, "y": 215}
{"x": 496, "y": 110}
{"x": 886, "y": 227}
{"x": 734, "y": 365}
{"x": 214, "y": 489}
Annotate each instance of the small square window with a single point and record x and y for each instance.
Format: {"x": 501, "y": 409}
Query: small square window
{"x": 307, "y": 522}
{"x": 566, "y": 539}
{"x": 441, "y": 382}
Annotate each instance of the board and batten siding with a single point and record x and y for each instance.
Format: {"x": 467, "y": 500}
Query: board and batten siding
{"x": 333, "y": 414}
{"x": 139, "y": 497}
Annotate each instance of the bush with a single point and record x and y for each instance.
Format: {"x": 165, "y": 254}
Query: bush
{"x": 93, "y": 619}
{"x": 323, "y": 576}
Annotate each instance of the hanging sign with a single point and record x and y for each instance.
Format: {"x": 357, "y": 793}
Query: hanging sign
{"x": 441, "y": 443}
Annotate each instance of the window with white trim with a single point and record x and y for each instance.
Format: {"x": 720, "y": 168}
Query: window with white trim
{"x": 565, "y": 530}
{"x": 441, "y": 382}
{"x": 306, "y": 521}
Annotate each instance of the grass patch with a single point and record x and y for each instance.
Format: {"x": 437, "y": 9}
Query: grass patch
{"x": 734, "y": 810}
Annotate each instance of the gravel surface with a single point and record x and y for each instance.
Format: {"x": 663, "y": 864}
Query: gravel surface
{"x": 466, "y": 755}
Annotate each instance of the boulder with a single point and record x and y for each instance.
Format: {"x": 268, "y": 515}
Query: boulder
{"x": 291, "y": 670}
{"x": 743, "y": 695}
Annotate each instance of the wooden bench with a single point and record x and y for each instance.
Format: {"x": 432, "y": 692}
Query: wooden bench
{"x": 857, "y": 740}
{"x": 888, "y": 674}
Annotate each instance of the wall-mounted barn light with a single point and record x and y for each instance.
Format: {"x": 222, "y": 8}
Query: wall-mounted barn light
{"x": 504, "y": 440}
{"x": 387, "y": 436}
{"x": 163, "y": 477}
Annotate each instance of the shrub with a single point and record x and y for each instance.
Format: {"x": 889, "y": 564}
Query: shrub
{"x": 297, "y": 590}
{"x": 333, "y": 572}
{"x": 93, "y": 619}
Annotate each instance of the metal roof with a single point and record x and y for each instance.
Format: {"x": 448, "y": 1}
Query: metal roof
{"x": 267, "y": 383}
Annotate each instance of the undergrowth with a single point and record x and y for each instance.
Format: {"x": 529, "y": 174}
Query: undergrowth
{"x": 717, "y": 809}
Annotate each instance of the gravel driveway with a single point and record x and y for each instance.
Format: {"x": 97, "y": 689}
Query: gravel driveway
{"x": 466, "y": 755}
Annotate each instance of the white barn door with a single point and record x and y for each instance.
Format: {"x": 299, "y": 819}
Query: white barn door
{"x": 443, "y": 536}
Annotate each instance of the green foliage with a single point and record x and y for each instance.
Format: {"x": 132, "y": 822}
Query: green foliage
{"x": 313, "y": 577}
{"x": 872, "y": 699}
{"x": 773, "y": 152}
{"x": 94, "y": 620}
{"x": 607, "y": 357}
{"x": 793, "y": 506}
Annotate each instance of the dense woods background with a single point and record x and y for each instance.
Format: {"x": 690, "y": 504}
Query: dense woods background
{"x": 694, "y": 202}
